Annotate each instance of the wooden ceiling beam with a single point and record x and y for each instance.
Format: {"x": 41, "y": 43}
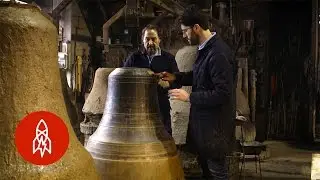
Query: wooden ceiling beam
{"x": 162, "y": 5}
{"x": 61, "y": 6}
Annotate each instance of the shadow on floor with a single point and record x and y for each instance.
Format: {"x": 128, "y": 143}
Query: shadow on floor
{"x": 315, "y": 146}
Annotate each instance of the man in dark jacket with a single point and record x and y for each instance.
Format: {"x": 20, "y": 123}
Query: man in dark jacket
{"x": 211, "y": 127}
{"x": 158, "y": 61}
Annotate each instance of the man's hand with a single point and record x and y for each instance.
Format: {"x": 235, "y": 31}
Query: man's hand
{"x": 165, "y": 76}
{"x": 179, "y": 94}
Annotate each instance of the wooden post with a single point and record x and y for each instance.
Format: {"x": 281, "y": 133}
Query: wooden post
{"x": 108, "y": 24}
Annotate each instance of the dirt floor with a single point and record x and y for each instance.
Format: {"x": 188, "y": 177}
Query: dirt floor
{"x": 285, "y": 161}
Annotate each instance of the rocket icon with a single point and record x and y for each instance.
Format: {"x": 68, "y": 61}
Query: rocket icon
{"x": 42, "y": 141}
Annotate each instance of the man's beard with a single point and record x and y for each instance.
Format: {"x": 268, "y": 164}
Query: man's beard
{"x": 151, "y": 50}
{"x": 194, "y": 39}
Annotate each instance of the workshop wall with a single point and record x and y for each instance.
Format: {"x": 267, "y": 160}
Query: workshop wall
{"x": 257, "y": 56}
{"x": 80, "y": 33}
{"x": 75, "y": 33}
{"x": 290, "y": 47}
{"x": 282, "y": 43}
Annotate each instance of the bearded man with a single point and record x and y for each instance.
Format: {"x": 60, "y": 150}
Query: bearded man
{"x": 153, "y": 57}
{"x": 211, "y": 125}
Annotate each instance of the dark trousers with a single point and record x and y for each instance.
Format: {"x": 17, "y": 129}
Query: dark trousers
{"x": 213, "y": 169}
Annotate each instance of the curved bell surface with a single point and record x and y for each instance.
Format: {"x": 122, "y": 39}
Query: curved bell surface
{"x": 29, "y": 82}
{"x": 96, "y": 99}
{"x": 131, "y": 142}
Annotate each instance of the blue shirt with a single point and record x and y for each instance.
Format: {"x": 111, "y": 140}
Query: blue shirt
{"x": 158, "y": 53}
{"x": 204, "y": 43}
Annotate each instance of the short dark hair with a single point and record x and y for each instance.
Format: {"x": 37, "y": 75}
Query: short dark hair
{"x": 192, "y": 16}
{"x": 149, "y": 27}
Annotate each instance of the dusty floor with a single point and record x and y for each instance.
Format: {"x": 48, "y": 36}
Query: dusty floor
{"x": 285, "y": 161}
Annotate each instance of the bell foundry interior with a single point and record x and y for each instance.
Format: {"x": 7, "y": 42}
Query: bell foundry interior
{"x": 82, "y": 60}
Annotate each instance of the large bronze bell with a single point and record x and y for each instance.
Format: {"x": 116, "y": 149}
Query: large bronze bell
{"x": 131, "y": 142}
{"x": 30, "y": 81}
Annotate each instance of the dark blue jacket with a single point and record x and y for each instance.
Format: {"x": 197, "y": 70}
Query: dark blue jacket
{"x": 211, "y": 126}
{"x": 164, "y": 62}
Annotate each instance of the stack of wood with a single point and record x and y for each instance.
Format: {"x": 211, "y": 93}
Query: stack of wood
{"x": 246, "y": 101}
